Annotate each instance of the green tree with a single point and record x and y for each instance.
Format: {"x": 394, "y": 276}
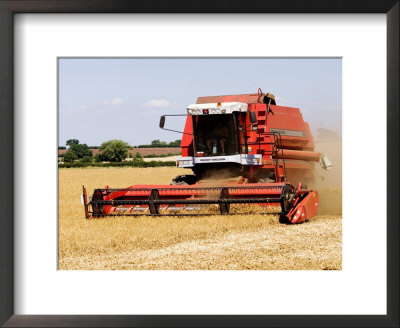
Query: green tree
{"x": 158, "y": 143}
{"x": 71, "y": 142}
{"x": 114, "y": 150}
{"x": 97, "y": 158}
{"x": 86, "y": 159}
{"x": 138, "y": 157}
{"x": 69, "y": 157}
{"x": 176, "y": 143}
{"x": 80, "y": 150}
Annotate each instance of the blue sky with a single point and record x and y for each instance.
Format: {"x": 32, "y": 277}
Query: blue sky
{"x": 123, "y": 98}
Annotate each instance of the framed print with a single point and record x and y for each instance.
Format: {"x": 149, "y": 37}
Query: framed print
{"x": 56, "y": 53}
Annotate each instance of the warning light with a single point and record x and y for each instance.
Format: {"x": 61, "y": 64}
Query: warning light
{"x": 219, "y": 104}
{"x": 205, "y": 111}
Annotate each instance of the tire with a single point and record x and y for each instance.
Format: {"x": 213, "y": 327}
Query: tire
{"x": 182, "y": 180}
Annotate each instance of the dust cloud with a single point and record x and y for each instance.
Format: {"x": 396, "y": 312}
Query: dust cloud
{"x": 329, "y": 183}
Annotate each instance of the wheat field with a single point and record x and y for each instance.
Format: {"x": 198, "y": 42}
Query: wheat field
{"x": 235, "y": 242}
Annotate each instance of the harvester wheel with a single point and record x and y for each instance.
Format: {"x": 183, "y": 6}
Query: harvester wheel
{"x": 184, "y": 180}
{"x": 283, "y": 219}
{"x": 97, "y": 208}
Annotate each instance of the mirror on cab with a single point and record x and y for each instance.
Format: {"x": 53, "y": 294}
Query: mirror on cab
{"x": 253, "y": 117}
{"x": 162, "y": 121}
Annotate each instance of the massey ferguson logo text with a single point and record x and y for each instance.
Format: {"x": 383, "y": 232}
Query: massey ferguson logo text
{"x": 212, "y": 159}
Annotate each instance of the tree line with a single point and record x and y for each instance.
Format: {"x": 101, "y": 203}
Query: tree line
{"x": 161, "y": 144}
{"x": 154, "y": 144}
{"x": 109, "y": 151}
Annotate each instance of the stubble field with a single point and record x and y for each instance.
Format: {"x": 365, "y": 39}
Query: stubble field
{"x": 235, "y": 242}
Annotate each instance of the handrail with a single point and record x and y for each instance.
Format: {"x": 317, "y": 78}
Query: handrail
{"x": 276, "y": 143}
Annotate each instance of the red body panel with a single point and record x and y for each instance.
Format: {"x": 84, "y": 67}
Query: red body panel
{"x": 187, "y": 139}
{"x": 255, "y": 189}
{"x": 305, "y": 209}
{"x": 295, "y": 135}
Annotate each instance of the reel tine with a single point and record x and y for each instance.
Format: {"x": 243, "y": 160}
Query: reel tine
{"x": 189, "y": 200}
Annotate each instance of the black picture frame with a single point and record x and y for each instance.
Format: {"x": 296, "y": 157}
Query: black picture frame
{"x": 10, "y": 7}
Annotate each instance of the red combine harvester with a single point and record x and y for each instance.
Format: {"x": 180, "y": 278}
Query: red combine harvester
{"x": 242, "y": 149}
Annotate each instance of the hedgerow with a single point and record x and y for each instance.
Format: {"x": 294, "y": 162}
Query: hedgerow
{"x": 79, "y": 164}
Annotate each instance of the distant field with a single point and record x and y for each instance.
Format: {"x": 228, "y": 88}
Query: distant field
{"x": 236, "y": 242}
{"x": 162, "y": 159}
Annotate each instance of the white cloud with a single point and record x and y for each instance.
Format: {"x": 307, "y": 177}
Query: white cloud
{"x": 157, "y": 103}
{"x": 113, "y": 102}
{"x": 116, "y": 101}
{"x": 83, "y": 107}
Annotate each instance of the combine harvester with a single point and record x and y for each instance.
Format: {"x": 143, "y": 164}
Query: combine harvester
{"x": 242, "y": 149}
